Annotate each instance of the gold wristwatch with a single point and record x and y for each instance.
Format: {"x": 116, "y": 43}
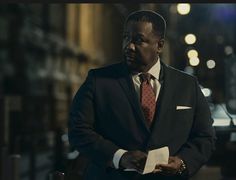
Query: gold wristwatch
{"x": 182, "y": 168}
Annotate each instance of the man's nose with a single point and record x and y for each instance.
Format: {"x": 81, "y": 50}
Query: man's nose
{"x": 131, "y": 46}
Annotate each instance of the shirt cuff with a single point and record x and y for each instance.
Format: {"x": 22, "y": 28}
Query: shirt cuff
{"x": 117, "y": 156}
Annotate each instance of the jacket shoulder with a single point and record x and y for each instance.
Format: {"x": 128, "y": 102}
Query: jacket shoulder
{"x": 181, "y": 74}
{"x": 109, "y": 70}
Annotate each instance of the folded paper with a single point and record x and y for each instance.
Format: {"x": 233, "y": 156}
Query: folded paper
{"x": 156, "y": 156}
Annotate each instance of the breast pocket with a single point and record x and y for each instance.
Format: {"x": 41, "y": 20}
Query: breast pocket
{"x": 184, "y": 116}
{"x": 183, "y": 122}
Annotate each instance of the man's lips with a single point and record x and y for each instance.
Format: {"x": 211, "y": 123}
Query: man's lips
{"x": 130, "y": 57}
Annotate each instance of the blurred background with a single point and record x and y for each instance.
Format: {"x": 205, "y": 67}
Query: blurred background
{"x": 46, "y": 51}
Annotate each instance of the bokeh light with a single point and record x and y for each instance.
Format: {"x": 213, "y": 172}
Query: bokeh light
{"x": 190, "y": 38}
{"x": 211, "y": 64}
{"x": 183, "y": 8}
{"x": 206, "y": 92}
{"x": 194, "y": 61}
{"x": 228, "y": 50}
{"x": 192, "y": 53}
{"x": 189, "y": 70}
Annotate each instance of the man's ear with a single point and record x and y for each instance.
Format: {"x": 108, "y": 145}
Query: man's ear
{"x": 160, "y": 45}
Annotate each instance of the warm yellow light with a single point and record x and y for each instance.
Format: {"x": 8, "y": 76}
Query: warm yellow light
{"x": 183, "y": 8}
{"x": 190, "y": 38}
{"x": 194, "y": 61}
{"x": 192, "y": 53}
{"x": 211, "y": 64}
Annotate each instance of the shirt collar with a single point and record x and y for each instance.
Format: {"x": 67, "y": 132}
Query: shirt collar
{"x": 155, "y": 70}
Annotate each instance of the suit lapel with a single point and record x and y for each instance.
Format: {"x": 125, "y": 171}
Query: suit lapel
{"x": 127, "y": 85}
{"x": 168, "y": 90}
{"x": 165, "y": 98}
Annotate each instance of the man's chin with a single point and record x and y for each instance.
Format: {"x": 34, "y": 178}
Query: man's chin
{"x": 130, "y": 63}
{"x": 134, "y": 67}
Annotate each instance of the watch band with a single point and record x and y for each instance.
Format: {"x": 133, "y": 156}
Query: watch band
{"x": 182, "y": 167}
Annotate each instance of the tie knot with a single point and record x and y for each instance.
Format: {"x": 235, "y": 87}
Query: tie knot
{"x": 145, "y": 77}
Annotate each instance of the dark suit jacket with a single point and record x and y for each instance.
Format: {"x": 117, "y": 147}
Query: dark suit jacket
{"x": 106, "y": 115}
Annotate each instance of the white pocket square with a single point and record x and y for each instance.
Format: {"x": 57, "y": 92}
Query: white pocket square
{"x": 183, "y": 107}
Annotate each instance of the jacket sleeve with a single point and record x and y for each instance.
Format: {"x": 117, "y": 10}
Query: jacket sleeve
{"x": 82, "y": 134}
{"x": 201, "y": 142}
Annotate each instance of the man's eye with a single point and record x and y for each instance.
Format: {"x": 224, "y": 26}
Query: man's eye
{"x": 139, "y": 40}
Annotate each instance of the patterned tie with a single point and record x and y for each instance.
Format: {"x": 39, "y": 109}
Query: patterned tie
{"x": 147, "y": 97}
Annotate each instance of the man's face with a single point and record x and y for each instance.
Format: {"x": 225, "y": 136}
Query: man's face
{"x": 141, "y": 46}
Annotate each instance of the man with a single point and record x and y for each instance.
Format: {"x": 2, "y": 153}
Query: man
{"x": 124, "y": 110}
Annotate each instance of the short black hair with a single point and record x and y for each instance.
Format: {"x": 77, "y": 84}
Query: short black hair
{"x": 158, "y": 22}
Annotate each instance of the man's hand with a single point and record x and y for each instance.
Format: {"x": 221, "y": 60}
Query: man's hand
{"x": 169, "y": 169}
{"x": 133, "y": 160}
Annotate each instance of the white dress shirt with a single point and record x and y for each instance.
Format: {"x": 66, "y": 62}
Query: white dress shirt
{"x": 155, "y": 72}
